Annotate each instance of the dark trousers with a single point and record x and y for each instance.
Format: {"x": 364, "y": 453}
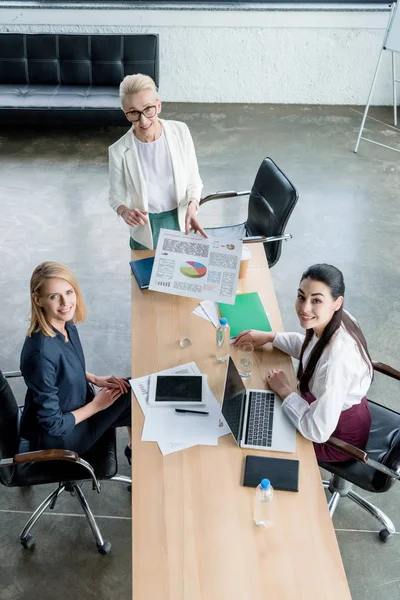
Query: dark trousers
{"x": 86, "y": 433}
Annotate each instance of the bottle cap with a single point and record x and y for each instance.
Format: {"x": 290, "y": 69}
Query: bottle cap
{"x": 265, "y": 483}
{"x": 223, "y": 321}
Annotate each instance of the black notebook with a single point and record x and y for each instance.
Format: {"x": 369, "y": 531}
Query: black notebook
{"x": 283, "y": 473}
{"x": 142, "y": 271}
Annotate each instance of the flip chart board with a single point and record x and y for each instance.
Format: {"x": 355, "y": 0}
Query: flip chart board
{"x": 393, "y": 38}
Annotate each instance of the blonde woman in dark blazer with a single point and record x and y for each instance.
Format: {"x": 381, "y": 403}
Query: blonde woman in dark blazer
{"x": 154, "y": 177}
{"x": 61, "y": 408}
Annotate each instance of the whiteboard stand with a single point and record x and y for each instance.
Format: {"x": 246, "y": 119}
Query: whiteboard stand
{"x": 391, "y": 43}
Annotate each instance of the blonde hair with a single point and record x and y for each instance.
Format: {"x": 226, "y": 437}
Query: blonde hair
{"x": 43, "y": 272}
{"x": 132, "y": 84}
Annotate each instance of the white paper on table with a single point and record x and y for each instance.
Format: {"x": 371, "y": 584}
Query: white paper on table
{"x": 170, "y": 447}
{"x": 197, "y": 267}
{"x": 140, "y": 387}
{"x": 164, "y": 424}
{"x": 200, "y": 313}
{"x": 211, "y": 310}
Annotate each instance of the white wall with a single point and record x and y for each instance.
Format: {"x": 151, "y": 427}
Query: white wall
{"x": 295, "y": 56}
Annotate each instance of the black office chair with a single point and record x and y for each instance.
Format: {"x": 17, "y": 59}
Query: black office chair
{"x": 374, "y": 469}
{"x": 271, "y": 202}
{"x": 19, "y": 467}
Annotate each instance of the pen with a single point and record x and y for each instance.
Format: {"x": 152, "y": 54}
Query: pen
{"x": 190, "y": 412}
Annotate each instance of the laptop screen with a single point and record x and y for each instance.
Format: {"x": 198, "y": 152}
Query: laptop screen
{"x": 234, "y": 400}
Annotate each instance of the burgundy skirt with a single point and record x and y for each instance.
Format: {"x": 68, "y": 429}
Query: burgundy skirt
{"x": 353, "y": 427}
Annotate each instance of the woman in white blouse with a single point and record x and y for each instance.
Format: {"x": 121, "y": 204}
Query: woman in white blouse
{"x": 335, "y": 370}
{"x": 154, "y": 177}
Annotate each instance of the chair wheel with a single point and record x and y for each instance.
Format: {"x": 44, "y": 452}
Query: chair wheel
{"x": 28, "y": 542}
{"x": 105, "y": 548}
{"x": 385, "y": 535}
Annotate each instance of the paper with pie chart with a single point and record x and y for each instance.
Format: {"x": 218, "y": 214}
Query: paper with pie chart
{"x": 197, "y": 267}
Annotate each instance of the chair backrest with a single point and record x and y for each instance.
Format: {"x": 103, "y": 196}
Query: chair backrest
{"x": 382, "y": 482}
{"x": 272, "y": 200}
{"x": 386, "y": 429}
{"x": 52, "y": 59}
{"x": 9, "y": 427}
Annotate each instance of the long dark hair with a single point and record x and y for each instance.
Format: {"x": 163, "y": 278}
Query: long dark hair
{"x": 333, "y": 278}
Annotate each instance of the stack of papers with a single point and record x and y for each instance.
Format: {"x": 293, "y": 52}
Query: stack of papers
{"x": 208, "y": 310}
{"x": 173, "y": 431}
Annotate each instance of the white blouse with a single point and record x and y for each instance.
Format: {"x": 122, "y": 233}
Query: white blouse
{"x": 155, "y": 160}
{"x": 340, "y": 380}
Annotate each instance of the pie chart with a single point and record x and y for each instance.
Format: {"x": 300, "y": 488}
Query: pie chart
{"x": 193, "y": 269}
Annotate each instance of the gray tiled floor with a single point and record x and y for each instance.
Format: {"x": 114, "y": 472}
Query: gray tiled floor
{"x": 53, "y": 199}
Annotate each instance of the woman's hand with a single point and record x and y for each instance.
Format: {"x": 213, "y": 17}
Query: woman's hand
{"x": 113, "y": 383}
{"x": 134, "y": 216}
{"x": 192, "y": 223}
{"x": 279, "y": 383}
{"x": 104, "y": 398}
{"x": 257, "y": 338}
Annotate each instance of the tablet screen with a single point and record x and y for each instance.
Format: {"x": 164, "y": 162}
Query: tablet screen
{"x": 178, "y": 388}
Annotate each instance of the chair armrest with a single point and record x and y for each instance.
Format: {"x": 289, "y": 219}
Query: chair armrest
{"x": 255, "y": 239}
{"x": 361, "y": 456}
{"x": 221, "y": 195}
{"x": 386, "y": 370}
{"x": 348, "y": 449}
{"x": 44, "y": 456}
{"x": 11, "y": 374}
{"x": 51, "y": 455}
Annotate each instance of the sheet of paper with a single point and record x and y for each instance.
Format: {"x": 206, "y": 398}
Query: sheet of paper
{"x": 211, "y": 310}
{"x": 170, "y": 447}
{"x": 140, "y": 387}
{"x": 200, "y": 313}
{"x": 196, "y": 267}
{"x": 165, "y": 424}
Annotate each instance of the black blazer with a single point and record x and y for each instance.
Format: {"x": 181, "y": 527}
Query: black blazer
{"x": 54, "y": 372}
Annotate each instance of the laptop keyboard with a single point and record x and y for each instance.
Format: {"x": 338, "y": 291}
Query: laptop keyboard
{"x": 261, "y": 418}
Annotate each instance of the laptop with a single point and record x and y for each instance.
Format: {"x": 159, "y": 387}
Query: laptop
{"x": 255, "y": 417}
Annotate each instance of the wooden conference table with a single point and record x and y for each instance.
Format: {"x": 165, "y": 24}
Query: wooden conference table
{"x": 193, "y": 533}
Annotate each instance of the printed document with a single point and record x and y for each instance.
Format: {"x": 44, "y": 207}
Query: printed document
{"x": 196, "y": 267}
{"x": 140, "y": 387}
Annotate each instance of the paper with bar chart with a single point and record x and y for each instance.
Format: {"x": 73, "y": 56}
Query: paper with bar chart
{"x": 197, "y": 267}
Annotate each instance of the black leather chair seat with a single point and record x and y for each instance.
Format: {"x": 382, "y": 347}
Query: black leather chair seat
{"x": 102, "y": 457}
{"x": 65, "y": 97}
{"x": 271, "y": 202}
{"x": 385, "y": 427}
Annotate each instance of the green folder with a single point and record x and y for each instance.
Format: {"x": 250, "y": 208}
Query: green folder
{"x": 247, "y": 313}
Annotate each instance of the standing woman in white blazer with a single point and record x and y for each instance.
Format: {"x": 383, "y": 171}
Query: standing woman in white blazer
{"x": 154, "y": 177}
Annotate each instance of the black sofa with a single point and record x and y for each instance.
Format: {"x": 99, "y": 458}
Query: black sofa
{"x": 67, "y": 79}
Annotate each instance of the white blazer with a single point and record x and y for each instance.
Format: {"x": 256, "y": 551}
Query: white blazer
{"x": 127, "y": 183}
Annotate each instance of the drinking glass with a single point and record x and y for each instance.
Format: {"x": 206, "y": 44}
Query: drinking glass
{"x": 185, "y": 325}
{"x": 245, "y": 356}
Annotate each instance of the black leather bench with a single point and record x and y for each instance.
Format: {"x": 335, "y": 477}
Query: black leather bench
{"x": 69, "y": 79}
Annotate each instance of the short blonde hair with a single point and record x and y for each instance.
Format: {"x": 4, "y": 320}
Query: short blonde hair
{"x": 49, "y": 270}
{"x": 132, "y": 84}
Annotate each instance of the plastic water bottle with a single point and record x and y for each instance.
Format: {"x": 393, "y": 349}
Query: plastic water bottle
{"x": 263, "y": 503}
{"x": 223, "y": 340}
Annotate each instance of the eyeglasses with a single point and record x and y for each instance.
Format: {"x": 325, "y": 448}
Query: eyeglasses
{"x": 148, "y": 112}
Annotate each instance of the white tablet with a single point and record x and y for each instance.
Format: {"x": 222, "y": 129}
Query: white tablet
{"x": 177, "y": 390}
